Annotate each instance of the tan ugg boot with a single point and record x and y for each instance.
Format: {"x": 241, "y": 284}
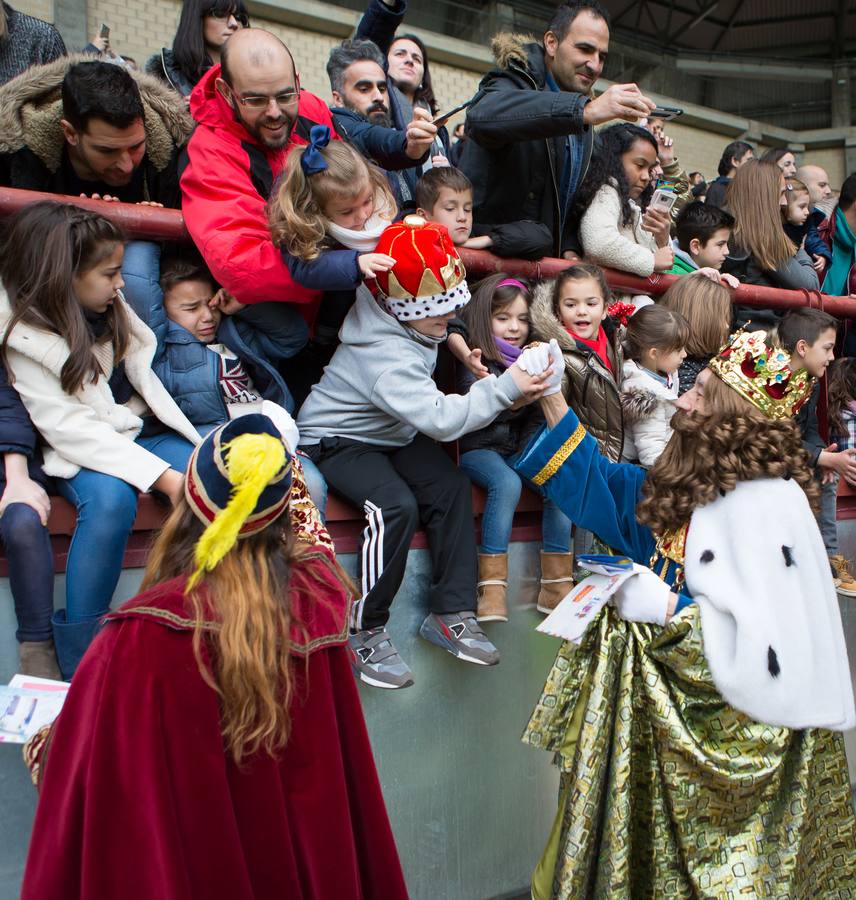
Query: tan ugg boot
{"x": 557, "y": 578}
{"x": 38, "y": 658}
{"x": 492, "y": 585}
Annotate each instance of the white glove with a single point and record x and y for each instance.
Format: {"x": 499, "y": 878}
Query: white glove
{"x": 557, "y": 361}
{"x": 643, "y": 598}
{"x": 534, "y": 360}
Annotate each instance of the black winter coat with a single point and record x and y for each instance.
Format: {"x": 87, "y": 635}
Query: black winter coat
{"x": 18, "y": 434}
{"x": 517, "y": 129}
{"x": 164, "y": 66}
{"x": 510, "y": 431}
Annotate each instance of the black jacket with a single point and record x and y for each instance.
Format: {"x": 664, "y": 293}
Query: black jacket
{"x": 716, "y": 191}
{"x": 510, "y": 431}
{"x": 517, "y": 129}
{"x": 793, "y": 274}
{"x": 164, "y": 67}
{"x": 809, "y": 427}
{"x": 18, "y": 434}
{"x": 33, "y": 148}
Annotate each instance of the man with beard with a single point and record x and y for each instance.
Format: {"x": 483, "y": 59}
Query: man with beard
{"x": 361, "y": 113}
{"x": 251, "y": 112}
{"x": 531, "y": 124}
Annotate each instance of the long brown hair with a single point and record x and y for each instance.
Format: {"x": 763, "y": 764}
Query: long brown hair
{"x": 840, "y": 391}
{"x": 246, "y": 597}
{"x": 47, "y": 244}
{"x": 706, "y": 306}
{"x": 753, "y": 199}
{"x": 296, "y": 212}
{"x": 709, "y": 453}
{"x": 488, "y": 298}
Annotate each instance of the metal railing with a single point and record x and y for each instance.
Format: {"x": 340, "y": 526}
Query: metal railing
{"x": 151, "y": 223}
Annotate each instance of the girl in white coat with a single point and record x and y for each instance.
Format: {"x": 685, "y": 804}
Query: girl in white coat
{"x": 654, "y": 346}
{"x": 81, "y": 361}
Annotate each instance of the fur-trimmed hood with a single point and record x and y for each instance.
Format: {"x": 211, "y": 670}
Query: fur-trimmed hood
{"x": 642, "y": 395}
{"x": 522, "y": 52}
{"x": 545, "y": 325}
{"x": 31, "y": 110}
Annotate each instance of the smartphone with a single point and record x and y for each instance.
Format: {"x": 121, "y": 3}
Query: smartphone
{"x": 442, "y": 119}
{"x": 666, "y": 113}
{"x": 105, "y": 30}
{"x": 663, "y": 200}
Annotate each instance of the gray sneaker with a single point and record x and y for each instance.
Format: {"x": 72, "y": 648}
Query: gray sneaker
{"x": 375, "y": 660}
{"x": 461, "y": 635}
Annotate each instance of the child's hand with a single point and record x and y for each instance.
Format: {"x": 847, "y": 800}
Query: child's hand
{"x": 372, "y": 263}
{"x": 459, "y": 348}
{"x": 439, "y": 161}
{"x": 226, "y": 303}
{"x": 729, "y": 280}
{"x": 531, "y": 386}
{"x": 478, "y": 243}
{"x": 473, "y": 362}
{"x": 28, "y": 492}
{"x": 718, "y": 277}
{"x": 819, "y": 263}
{"x": 665, "y": 150}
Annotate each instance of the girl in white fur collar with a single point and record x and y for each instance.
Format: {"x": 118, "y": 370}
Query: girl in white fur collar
{"x": 654, "y": 346}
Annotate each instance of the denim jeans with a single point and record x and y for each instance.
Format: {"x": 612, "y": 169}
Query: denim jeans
{"x": 495, "y": 474}
{"x": 106, "y": 509}
{"x": 30, "y": 557}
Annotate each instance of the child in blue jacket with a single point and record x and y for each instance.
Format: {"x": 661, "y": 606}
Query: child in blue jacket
{"x": 215, "y": 365}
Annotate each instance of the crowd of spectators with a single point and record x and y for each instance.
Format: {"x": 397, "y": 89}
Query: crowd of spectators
{"x": 118, "y": 358}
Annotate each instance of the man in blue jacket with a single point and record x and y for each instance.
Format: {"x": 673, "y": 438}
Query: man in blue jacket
{"x": 361, "y": 113}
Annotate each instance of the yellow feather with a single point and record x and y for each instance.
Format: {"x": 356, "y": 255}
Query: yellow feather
{"x": 252, "y": 461}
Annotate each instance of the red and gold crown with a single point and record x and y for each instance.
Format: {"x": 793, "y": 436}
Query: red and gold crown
{"x": 428, "y": 278}
{"x": 761, "y": 374}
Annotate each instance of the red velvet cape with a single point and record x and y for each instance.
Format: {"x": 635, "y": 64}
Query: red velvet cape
{"x": 140, "y": 802}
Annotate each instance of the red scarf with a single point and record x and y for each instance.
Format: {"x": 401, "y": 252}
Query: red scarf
{"x": 599, "y": 345}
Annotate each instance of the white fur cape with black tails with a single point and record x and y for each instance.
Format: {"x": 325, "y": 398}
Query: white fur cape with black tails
{"x": 771, "y": 627}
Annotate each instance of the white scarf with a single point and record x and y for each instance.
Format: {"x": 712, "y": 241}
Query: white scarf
{"x": 366, "y": 240}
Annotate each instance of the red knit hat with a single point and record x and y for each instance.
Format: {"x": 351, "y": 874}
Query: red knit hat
{"x": 428, "y": 278}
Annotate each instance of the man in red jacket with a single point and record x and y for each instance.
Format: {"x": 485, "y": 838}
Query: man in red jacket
{"x": 251, "y": 112}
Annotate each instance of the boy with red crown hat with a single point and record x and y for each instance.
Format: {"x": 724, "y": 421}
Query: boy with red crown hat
{"x": 696, "y": 724}
{"x": 372, "y": 425}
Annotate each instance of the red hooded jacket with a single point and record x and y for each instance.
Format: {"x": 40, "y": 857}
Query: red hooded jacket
{"x": 225, "y": 183}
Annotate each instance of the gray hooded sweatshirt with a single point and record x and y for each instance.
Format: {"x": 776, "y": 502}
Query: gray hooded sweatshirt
{"x": 378, "y": 387}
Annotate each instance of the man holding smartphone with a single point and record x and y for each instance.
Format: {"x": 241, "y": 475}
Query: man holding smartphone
{"x": 531, "y": 124}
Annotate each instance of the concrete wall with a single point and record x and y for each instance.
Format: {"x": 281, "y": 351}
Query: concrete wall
{"x": 310, "y": 29}
{"x": 454, "y": 773}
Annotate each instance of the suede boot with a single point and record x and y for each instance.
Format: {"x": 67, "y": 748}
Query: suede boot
{"x": 72, "y": 639}
{"x": 38, "y": 658}
{"x": 492, "y": 585}
{"x": 557, "y": 578}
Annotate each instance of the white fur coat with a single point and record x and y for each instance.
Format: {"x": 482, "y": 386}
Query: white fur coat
{"x": 771, "y": 626}
{"x": 648, "y": 407}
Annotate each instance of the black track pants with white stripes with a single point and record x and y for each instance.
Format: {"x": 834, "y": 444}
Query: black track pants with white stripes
{"x": 399, "y": 488}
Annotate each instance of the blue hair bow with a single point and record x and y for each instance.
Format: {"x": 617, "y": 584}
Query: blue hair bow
{"x": 312, "y": 162}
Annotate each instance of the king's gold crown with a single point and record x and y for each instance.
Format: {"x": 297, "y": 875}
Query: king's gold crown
{"x": 761, "y": 374}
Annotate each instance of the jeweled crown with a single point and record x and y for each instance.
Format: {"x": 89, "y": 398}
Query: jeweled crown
{"x": 761, "y": 374}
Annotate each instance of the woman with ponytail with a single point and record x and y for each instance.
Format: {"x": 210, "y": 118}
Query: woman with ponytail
{"x": 212, "y": 744}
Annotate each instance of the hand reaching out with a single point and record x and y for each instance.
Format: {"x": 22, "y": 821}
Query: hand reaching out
{"x": 372, "y": 263}
{"x": 544, "y": 359}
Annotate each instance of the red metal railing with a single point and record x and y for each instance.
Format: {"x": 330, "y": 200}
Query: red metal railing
{"x": 168, "y": 224}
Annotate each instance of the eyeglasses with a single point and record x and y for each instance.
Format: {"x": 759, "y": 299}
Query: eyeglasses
{"x": 241, "y": 18}
{"x": 284, "y": 99}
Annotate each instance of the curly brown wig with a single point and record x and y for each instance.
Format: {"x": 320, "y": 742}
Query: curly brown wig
{"x": 710, "y": 453}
